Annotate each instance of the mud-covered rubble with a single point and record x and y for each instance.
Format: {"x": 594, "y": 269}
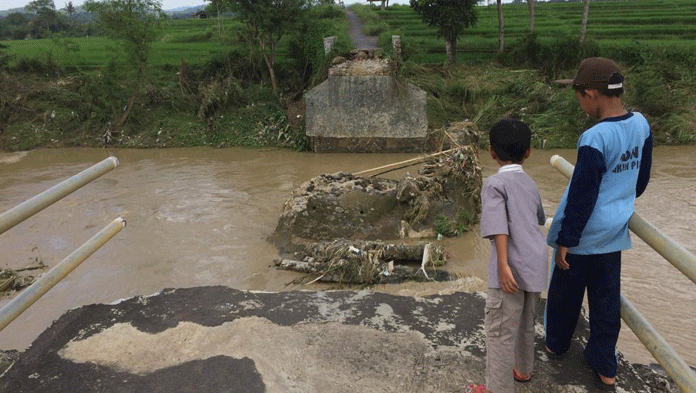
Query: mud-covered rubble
{"x": 345, "y": 206}
{"x": 367, "y": 262}
{"x": 15, "y": 280}
{"x": 341, "y": 209}
{"x": 361, "y": 63}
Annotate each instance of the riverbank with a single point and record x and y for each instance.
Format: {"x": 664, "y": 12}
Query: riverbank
{"x": 52, "y": 107}
{"x": 219, "y": 339}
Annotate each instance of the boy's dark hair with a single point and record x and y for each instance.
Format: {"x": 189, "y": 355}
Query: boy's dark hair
{"x": 615, "y": 79}
{"x": 510, "y": 139}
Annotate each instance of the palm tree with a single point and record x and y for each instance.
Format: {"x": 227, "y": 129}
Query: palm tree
{"x": 70, "y": 8}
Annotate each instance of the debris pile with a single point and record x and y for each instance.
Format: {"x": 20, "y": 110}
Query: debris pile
{"x": 346, "y": 206}
{"x": 14, "y": 280}
{"x": 366, "y": 262}
{"x": 331, "y": 228}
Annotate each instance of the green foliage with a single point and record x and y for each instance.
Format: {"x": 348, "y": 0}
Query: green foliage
{"x": 199, "y": 37}
{"x": 268, "y": 21}
{"x": 551, "y": 57}
{"x": 453, "y": 227}
{"x": 232, "y": 63}
{"x": 135, "y": 23}
{"x": 218, "y": 95}
{"x": 449, "y": 17}
{"x": 41, "y": 7}
{"x": 103, "y": 94}
{"x": 306, "y": 47}
{"x": 15, "y": 19}
{"x": 31, "y": 65}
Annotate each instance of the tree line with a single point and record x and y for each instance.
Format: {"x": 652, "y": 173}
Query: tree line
{"x": 41, "y": 19}
{"x": 451, "y": 18}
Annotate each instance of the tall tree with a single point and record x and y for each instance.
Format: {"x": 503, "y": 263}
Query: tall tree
{"x": 46, "y": 11}
{"x": 449, "y": 17}
{"x": 135, "y": 23}
{"x": 70, "y": 8}
{"x": 41, "y": 7}
{"x": 501, "y": 28}
{"x": 583, "y": 24}
{"x": 530, "y": 4}
{"x": 268, "y": 21}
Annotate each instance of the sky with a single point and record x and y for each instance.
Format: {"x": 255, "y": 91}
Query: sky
{"x": 166, "y": 4}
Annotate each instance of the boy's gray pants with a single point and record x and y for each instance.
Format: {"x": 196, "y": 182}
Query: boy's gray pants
{"x": 509, "y": 324}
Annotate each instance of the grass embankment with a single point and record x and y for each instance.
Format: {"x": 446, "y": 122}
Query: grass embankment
{"x": 208, "y": 87}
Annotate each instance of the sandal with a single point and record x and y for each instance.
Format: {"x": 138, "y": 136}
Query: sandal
{"x": 476, "y": 389}
{"x": 519, "y": 377}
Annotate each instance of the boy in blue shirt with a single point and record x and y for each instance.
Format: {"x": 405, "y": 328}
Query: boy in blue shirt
{"x": 590, "y": 227}
{"x": 517, "y": 269}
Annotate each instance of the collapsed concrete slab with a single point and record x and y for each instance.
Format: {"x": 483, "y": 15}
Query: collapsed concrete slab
{"x": 218, "y": 339}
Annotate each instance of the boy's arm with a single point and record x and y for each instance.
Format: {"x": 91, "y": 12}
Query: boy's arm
{"x": 645, "y": 165}
{"x": 507, "y": 281}
{"x": 582, "y": 195}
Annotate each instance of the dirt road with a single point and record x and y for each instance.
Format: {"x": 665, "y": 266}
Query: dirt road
{"x": 359, "y": 40}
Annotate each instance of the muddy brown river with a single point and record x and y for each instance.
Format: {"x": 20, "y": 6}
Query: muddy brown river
{"x": 199, "y": 217}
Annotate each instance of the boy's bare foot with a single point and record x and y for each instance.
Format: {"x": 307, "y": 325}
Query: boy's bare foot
{"x": 519, "y": 377}
{"x": 607, "y": 380}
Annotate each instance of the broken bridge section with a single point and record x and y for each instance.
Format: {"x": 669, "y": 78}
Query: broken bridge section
{"x": 364, "y": 108}
{"x": 218, "y": 339}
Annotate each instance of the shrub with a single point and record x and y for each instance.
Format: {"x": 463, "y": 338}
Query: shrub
{"x": 552, "y": 58}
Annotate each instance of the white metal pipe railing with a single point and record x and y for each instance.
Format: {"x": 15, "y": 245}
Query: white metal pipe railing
{"x": 683, "y": 260}
{"x": 34, "y": 205}
{"x": 673, "y": 364}
{"x": 30, "y": 295}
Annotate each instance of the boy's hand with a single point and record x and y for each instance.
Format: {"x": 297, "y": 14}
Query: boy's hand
{"x": 560, "y": 256}
{"x": 507, "y": 281}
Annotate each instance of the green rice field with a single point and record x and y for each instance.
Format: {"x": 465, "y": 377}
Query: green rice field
{"x": 655, "y": 23}
{"x": 610, "y": 23}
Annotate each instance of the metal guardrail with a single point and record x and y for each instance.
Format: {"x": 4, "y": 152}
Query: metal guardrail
{"x": 683, "y": 260}
{"x": 30, "y": 295}
{"x": 34, "y": 205}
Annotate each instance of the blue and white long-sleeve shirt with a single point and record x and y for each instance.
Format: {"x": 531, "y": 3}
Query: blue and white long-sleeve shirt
{"x": 612, "y": 169}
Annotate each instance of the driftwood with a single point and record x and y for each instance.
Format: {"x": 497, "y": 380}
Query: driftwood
{"x": 355, "y": 262}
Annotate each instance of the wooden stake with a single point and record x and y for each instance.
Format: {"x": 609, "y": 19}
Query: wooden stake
{"x": 411, "y": 161}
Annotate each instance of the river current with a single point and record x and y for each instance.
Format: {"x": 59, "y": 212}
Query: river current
{"x": 199, "y": 217}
